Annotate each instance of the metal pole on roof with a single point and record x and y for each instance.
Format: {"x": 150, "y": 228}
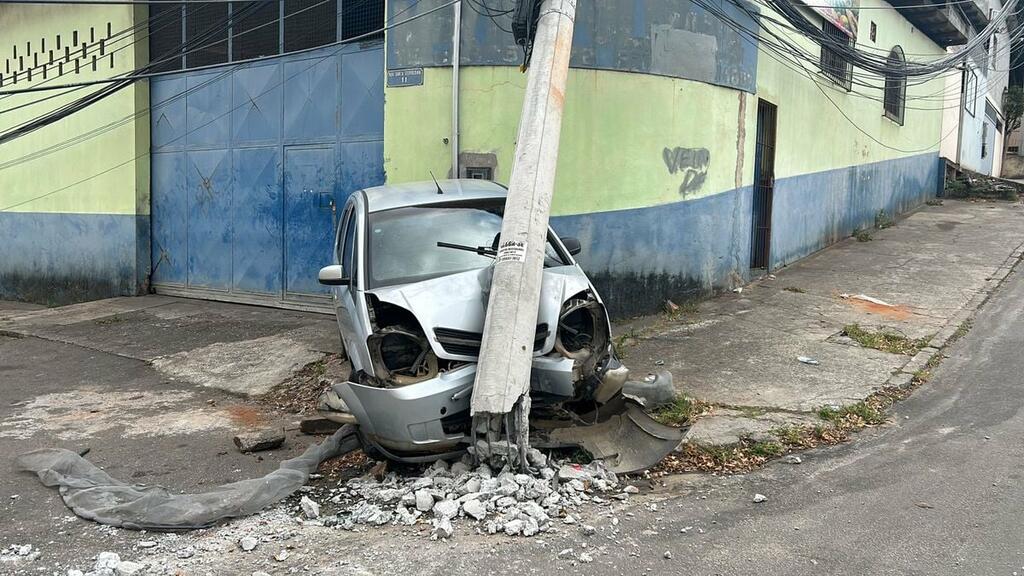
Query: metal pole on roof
{"x": 500, "y": 400}
{"x": 456, "y": 56}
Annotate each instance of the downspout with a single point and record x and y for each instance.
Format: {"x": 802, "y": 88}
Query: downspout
{"x": 960, "y": 122}
{"x": 456, "y": 45}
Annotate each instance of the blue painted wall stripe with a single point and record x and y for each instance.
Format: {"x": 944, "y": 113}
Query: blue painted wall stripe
{"x": 59, "y": 258}
{"x": 638, "y": 258}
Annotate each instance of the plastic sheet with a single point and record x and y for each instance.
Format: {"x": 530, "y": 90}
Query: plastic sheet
{"x": 92, "y": 494}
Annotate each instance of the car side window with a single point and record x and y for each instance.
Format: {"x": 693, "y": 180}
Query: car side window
{"x": 348, "y": 244}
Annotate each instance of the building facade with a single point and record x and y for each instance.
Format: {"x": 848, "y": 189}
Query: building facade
{"x": 693, "y": 155}
{"x": 973, "y": 118}
{"x": 74, "y": 195}
{"x": 679, "y": 174}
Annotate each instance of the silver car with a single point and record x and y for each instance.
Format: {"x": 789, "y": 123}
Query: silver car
{"x": 412, "y": 272}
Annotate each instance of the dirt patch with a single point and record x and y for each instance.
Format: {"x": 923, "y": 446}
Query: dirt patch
{"x": 298, "y": 394}
{"x": 246, "y": 416}
{"x": 891, "y": 311}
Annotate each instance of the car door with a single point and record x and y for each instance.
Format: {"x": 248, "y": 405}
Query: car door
{"x": 345, "y": 295}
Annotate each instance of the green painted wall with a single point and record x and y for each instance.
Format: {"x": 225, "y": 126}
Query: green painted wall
{"x": 614, "y": 134}
{"x": 617, "y": 125}
{"x": 813, "y": 135}
{"x": 104, "y": 174}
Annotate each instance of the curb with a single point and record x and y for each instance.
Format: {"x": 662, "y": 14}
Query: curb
{"x": 904, "y": 377}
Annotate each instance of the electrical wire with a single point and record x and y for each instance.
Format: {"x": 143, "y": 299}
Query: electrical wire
{"x": 340, "y": 44}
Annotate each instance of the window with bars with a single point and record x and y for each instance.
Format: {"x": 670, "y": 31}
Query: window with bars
{"x": 834, "y": 64}
{"x": 206, "y": 34}
{"x": 309, "y": 23}
{"x": 361, "y": 18}
{"x": 895, "y": 98}
{"x": 165, "y": 37}
{"x": 257, "y": 33}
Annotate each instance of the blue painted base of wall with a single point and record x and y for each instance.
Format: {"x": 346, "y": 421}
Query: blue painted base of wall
{"x": 639, "y": 258}
{"x": 57, "y": 259}
{"x": 813, "y": 211}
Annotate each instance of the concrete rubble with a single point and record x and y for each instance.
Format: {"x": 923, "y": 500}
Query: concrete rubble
{"x": 506, "y": 502}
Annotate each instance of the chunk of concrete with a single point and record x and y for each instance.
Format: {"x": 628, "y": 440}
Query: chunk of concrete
{"x": 258, "y": 440}
{"x": 309, "y": 508}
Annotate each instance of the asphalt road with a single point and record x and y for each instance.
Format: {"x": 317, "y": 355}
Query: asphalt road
{"x": 939, "y": 491}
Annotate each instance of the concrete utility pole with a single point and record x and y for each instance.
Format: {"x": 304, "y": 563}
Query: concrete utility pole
{"x": 503, "y": 373}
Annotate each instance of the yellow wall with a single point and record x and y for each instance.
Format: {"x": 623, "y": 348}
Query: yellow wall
{"x": 614, "y": 133}
{"x": 813, "y": 135}
{"x": 106, "y": 173}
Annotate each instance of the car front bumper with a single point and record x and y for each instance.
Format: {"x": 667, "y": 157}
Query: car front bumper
{"x": 430, "y": 417}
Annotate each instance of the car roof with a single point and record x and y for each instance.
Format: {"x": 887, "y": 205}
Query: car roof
{"x": 407, "y": 194}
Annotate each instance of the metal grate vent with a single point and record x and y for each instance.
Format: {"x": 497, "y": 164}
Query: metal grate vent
{"x": 309, "y": 23}
{"x": 206, "y": 33}
{"x": 258, "y": 33}
{"x": 361, "y": 17}
{"x": 164, "y": 36}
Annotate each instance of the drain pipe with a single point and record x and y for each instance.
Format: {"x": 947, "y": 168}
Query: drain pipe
{"x": 456, "y": 49}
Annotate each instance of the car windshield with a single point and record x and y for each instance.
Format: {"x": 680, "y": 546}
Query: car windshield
{"x": 402, "y": 243}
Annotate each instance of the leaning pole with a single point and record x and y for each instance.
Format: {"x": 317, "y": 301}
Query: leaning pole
{"x": 500, "y": 404}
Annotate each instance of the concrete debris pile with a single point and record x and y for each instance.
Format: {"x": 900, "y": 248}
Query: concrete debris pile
{"x": 18, "y": 553}
{"x": 110, "y": 564}
{"x": 504, "y": 502}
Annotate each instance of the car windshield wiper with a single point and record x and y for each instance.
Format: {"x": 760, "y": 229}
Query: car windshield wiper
{"x": 481, "y": 250}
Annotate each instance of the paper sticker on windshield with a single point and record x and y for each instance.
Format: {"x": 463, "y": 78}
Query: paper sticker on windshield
{"x": 511, "y": 251}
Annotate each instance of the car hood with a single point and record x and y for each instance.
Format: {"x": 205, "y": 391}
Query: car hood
{"x": 458, "y": 302}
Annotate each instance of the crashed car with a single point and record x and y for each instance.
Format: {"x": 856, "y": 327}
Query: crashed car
{"x": 410, "y": 283}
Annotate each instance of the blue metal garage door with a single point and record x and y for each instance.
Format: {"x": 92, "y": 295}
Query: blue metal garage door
{"x": 248, "y": 165}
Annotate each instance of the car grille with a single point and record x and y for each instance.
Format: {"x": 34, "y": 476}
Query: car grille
{"x": 463, "y": 343}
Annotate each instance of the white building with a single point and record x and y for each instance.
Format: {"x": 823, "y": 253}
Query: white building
{"x": 972, "y": 123}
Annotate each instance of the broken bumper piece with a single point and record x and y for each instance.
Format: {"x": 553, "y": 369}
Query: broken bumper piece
{"x": 420, "y": 421}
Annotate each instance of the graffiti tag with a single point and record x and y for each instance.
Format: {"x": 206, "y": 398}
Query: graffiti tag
{"x": 692, "y": 163}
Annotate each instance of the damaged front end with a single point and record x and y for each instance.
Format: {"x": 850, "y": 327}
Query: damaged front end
{"x": 411, "y": 392}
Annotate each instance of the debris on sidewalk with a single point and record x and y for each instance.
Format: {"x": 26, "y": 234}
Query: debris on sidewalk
{"x": 758, "y": 498}
{"x": 259, "y": 440}
{"x": 808, "y": 360}
{"x": 94, "y": 495}
{"x": 866, "y": 298}
{"x": 653, "y": 391}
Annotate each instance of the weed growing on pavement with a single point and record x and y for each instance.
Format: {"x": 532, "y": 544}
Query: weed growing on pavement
{"x": 795, "y": 289}
{"x": 678, "y": 311}
{"x": 625, "y": 341}
{"x": 934, "y": 202}
{"x": 853, "y": 416}
{"x": 925, "y": 374}
{"x": 891, "y": 342}
{"x": 681, "y": 411}
{"x": 883, "y": 220}
{"x": 961, "y": 331}
{"x": 735, "y": 459}
{"x": 767, "y": 449}
{"x": 862, "y": 235}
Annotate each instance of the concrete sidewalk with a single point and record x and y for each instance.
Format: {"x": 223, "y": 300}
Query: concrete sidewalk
{"x": 739, "y": 351}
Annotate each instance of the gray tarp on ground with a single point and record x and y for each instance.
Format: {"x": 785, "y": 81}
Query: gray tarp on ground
{"x": 92, "y": 494}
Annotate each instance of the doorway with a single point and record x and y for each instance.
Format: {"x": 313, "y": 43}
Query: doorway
{"x": 764, "y": 186}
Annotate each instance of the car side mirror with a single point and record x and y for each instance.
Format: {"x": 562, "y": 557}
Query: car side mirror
{"x": 572, "y": 244}
{"x": 332, "y": 275}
